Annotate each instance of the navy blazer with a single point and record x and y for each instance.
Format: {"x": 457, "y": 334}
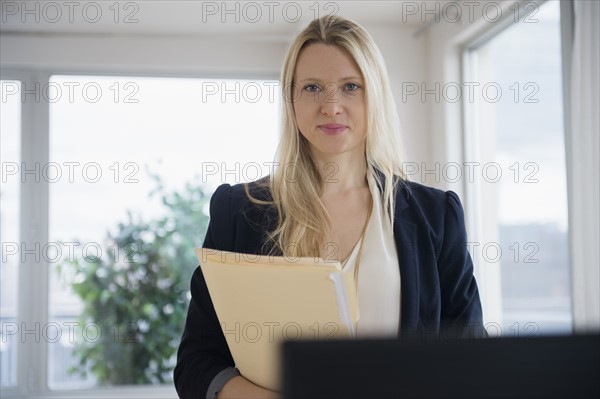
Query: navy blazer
{"x": 438, "y": 288}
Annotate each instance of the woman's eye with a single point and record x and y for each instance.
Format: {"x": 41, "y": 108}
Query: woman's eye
{"x": 352, "y": 86}
{"x": 312, "y": 88}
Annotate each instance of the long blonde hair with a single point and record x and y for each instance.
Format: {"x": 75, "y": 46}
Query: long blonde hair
{"x": 303, "y": 223}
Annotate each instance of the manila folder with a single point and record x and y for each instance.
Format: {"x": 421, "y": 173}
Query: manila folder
{"x": 263, "y": 300}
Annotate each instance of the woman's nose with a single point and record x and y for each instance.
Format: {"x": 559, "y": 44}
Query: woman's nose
{"x": 331, "y": 101}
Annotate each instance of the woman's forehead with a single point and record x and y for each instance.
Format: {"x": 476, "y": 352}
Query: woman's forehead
{"x": 324, "y": 61}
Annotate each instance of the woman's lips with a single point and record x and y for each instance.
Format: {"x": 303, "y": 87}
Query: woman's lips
{"x": 332, "y": 128}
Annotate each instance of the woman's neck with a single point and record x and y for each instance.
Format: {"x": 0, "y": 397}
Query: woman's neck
{"x": 343, "y": 173}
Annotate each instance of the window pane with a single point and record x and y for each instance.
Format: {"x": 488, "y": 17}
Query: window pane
{"x": 522, "y": 132}
{"x": 10, "y": 148}
{"x": 112, "y": 140}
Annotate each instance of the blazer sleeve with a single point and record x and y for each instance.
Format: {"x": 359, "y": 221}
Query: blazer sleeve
{"x": 203, "y": 352}
{"x": 461, "y": 313}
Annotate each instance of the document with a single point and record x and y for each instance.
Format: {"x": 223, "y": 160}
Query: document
{"x": 263, "y": 300}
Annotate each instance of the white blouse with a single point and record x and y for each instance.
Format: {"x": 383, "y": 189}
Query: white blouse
{"x": 378, "y": 274}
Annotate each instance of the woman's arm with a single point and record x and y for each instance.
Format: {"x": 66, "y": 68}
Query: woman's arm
{"x": 239, "y": 387}
{"x": 203, "y": 352}
{"x": 461, "y": 313}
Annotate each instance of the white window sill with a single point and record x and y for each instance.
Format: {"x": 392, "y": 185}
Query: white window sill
{"x": 133, "y": 392}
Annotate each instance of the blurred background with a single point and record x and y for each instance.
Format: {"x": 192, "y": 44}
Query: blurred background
{"x": 120, "y": 118}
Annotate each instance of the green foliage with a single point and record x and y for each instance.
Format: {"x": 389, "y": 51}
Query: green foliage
{"x": 138, "y": 295}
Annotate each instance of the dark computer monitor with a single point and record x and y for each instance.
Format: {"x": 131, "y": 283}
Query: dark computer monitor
{"x": 539, "y": 367}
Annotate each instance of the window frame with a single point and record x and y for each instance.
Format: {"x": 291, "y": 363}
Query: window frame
{"x": 33, "y": 228}
{"x": 33, "y": 277}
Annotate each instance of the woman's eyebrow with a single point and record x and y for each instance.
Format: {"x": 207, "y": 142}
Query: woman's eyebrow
{"x": 341, "y": 80}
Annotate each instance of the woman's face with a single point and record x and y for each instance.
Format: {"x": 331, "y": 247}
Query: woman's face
{"x": 329, "y": 102}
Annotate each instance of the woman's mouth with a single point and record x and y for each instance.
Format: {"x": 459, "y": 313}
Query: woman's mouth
{"x": 332, "y": 128}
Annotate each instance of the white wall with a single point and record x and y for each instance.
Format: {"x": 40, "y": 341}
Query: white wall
{"x": 445, "y": 41}
{"x": 405, "y": 57}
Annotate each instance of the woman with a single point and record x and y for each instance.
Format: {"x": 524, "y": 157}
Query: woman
{"x": 340, "y": 193}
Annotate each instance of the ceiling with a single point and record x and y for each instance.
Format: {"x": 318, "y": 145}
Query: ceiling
{"x": 268, "y": 19}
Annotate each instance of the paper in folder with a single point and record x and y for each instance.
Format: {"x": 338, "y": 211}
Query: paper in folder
{"x": 262, "y": 300}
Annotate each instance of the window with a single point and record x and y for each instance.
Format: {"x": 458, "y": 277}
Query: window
{"x": 514, "y": 134}
{"x": 132, "y": 163}
{"x": 10, "y": 147}
{"x": 116, "y": 137}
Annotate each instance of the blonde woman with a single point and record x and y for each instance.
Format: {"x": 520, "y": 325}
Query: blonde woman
{"x": 339, "y": 192}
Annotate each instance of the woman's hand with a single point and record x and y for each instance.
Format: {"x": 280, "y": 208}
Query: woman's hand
{"x": 240, "y": 387}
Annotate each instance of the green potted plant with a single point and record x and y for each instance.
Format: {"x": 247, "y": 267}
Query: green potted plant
{"x": 138, "y": 295}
